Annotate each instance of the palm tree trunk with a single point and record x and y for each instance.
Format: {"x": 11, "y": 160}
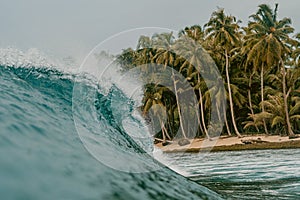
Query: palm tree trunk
{"x": 198, "y": 119}
{"x": 162, "y": 127}
{"x": 225, "y": 118}
{"x": 250, "y": 100}
{"x": 178, "y": 105}
{"x": 287, "y": 117}
{"x": 262, "y": 96}
{"x": 166, "y": 132}
{"x": 202, "y": 114}
{"x": 226, "y": 121}
{"x": 163, "y": 132}
{"x": 171, "y": 119}
{"x": 202, "y": 110}
{"x": 230, "y": 96}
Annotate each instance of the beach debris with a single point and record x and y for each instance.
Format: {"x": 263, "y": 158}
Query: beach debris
{"x": 253, "y": 141}
{"x": 183, "y": 142}
{"x": 293, "y": 136}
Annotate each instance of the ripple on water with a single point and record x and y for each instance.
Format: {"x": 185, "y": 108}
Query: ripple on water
{"x": 261, "y": 174}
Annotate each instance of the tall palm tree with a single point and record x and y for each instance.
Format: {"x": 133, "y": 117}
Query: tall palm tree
{"x": 190, "y": 52}
{"x": 266, "y": 45}
{"x": 166, "y": 57}
{"x": 223, "y": 32}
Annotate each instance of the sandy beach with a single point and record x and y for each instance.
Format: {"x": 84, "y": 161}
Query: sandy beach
{"x": 225, "y": 143}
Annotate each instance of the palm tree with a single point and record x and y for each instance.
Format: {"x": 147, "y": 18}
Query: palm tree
{"x": 258, "y": 56}
{"x": 292, "y": 98}
{"x": 266, "y": 45}
{"x": 127, "y": 59}
{"x": 200, "y": 82}
{"x": 194, "y": 32}
{"x": 190, "y": 52}
{"x": 252, "y": 80}
{"x": 144, "y": 51}
{"x": 153, "y": 99}
{"x": 296, "y": 51}
{"x": 162, "y": 43}
{"x": 285, "y": 100}
{"x": 275, "y": 104}
{"x": 223, "y": 32}
{"x": 293, "y": 94}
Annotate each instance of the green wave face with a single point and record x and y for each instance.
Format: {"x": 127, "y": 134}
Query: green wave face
{"x": 42, "y": 156}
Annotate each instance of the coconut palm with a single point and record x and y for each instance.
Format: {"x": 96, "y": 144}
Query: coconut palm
{"x": 191, "y": 56}
{"x": 166, "y": 57}
{"x": 293, "y": 96}
{"x": 253, "y": 79}
{"x": 127, "y": 59}
{"x": 162, "y": 44}
{"x": 144, "y": 51}
{"x": 266, "y": 44}
{"x": 153, "y": 99}
{"x": 296, "y": 51}
{"x": 194, "y": 32}
{"x": 275, "y": 112}
{"x": 223, "y": 31}
{"x": 259, "y": 64}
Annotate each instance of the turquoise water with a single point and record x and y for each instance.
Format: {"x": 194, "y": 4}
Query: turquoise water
{"x": 42, "y": 156}
{"x": 266, "y": 174}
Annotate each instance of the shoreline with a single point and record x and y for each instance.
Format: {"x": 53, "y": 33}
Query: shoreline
{"x": 227, "y": 143}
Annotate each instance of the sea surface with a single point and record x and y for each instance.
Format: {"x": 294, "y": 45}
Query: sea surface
{"x": 59, "y": 144}
{"x": 262, "y": 174}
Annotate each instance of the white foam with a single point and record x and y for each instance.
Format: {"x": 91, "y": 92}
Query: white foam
{"x": 33, "y": 57}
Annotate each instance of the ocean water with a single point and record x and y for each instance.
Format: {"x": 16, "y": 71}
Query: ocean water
{"x": 263, "y": 174}
{"x": 43, "y": 157}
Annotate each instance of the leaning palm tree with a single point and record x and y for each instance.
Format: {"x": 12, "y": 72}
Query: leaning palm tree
{"x": 223, "y": 32}
{"x": 153, "y": 99}
{"x": 266, "y": 44}
{"x": 191, "y": 55}
{"x": 200, "y": 89}
{"x": 164, "y": 56}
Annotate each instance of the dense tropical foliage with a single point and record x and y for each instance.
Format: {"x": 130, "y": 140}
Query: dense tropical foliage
{"x": 259, "y": 66}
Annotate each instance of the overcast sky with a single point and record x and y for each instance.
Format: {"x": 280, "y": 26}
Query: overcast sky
{"x": 73, "y": 27}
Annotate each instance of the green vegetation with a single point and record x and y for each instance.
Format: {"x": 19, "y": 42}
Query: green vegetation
{"x": 260, "y": 70}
